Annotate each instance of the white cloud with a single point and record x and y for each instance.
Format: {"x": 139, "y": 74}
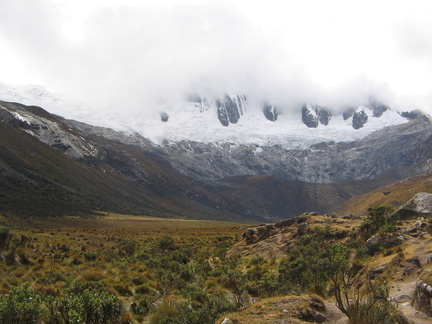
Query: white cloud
{"x": 132, "y": 54}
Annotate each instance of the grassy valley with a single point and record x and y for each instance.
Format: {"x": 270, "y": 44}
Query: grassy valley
{"x": 134, "y": 269}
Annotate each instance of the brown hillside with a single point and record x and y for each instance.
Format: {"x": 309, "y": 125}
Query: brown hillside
{"x": 395, "y": 194}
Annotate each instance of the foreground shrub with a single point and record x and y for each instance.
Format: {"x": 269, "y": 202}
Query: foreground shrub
{"x": 24, "y": 305}
{"x": 90, "y": 307}
{"x": 378, "y": 220}
{"x": 205, "y": 309}
{"x": 20, "y": 306}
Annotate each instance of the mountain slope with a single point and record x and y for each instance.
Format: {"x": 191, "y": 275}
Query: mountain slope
{"x": 95, "y": 168}
{"x": 394, "y": 194}
{"x": 52, "y": 166}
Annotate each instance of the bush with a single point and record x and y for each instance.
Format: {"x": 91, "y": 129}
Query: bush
{"x": 90, "y": 307}
{"x": 205, "y": 309}
{"x": 378, "y": 220}
{"x": 90, "y": 256}
{"x": 20, "y": 306}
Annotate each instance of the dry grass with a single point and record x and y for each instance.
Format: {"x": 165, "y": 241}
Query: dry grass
{"x": 395, "y": 194}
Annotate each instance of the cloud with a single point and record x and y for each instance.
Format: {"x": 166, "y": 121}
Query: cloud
{"x": 133, "y": 55}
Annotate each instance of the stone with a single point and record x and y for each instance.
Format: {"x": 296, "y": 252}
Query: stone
{"x": 419, "y": 206}
{"x": 387, "y": 241}
{"x": 403, "y": 298}
{"x": 320, "y": 318}
{"x": 227, "y": 321}
{"x": 302, "y": 226}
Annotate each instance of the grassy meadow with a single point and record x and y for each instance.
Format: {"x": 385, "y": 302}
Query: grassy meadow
{"x": 151, "y": 265}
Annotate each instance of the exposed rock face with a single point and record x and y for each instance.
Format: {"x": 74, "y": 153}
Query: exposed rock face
{"x": 324, "y": 115}
{"x": 38, "y": 123}
{"x": 230, "y": 109}
{"x": 314, "y": 115}
{"x": 309, "y": 116}
{"x": 359, "y": 119}
{"x": 405, "y": 149}
{"x": 348, "y": 113}
{"x": 164, "y": 117}
{"x": 422, "y": 297}
{"x": 270, "y": 112}
{"x": 419, "y": 206}
{"x": 379, "y": 110}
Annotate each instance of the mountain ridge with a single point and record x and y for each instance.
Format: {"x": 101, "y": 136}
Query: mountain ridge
{"x": 218, "y": 180}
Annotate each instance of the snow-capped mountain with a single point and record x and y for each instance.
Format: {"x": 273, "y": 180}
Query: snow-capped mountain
{"x": 230, "y": 119}
{"x": 202, "y": 157}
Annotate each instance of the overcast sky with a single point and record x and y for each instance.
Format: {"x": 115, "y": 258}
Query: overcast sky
{"x": 134, "y": 54}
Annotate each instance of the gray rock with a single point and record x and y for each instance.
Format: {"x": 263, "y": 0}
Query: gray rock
{"x": 227, "y": 321}
{"x": 386, "y": 241}
{"x": 324, "y": 115}
{"x": 309, "y": 116}
{"x": 419, "y": 206}
{"x": 359, "y": 119}
{"x": 302, "y": 226}
{"x": 348, "y": 113}
{"x": 320, "y": 318}
{"x": 164, "y": 117}
{"x": 403, "y": 298}
{"x": 270, "y": 112}
{"x": 314, "y": 115}
{"x": 230, "y": 109}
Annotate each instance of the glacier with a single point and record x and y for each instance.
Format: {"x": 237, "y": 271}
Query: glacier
{"x": 189, "y": 121}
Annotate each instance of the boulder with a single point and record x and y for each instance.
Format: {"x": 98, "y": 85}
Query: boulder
{"x": 302, "y": 226}
{"x": 403, "y": 298}
{"x": 419, "y": 206}
{"x": 386, "y": 241}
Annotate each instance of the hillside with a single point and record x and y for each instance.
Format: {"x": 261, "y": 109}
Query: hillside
{"x": 397, "y": 259}
{"x": 53, "y": 166}
{"x": 394, "y": 194}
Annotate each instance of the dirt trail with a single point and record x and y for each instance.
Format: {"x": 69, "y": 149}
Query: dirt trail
{"x": 407, "y": 287}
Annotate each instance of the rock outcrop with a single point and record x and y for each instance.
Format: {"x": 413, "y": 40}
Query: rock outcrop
{"x": 270, "y": 112}
{"x": 359, "y": 119}
{"x": 419, "y": 206}
{"x": 230, "y": 109}
{"x": 312, "y": 116}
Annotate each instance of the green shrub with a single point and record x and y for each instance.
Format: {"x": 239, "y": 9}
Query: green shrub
{"x": 90, "y": 307}
{"x": 20, "y": 306}
{"x": 205, "y": 309}
{"x": 378, "y": 220}
{"x": 90, "y": 256}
